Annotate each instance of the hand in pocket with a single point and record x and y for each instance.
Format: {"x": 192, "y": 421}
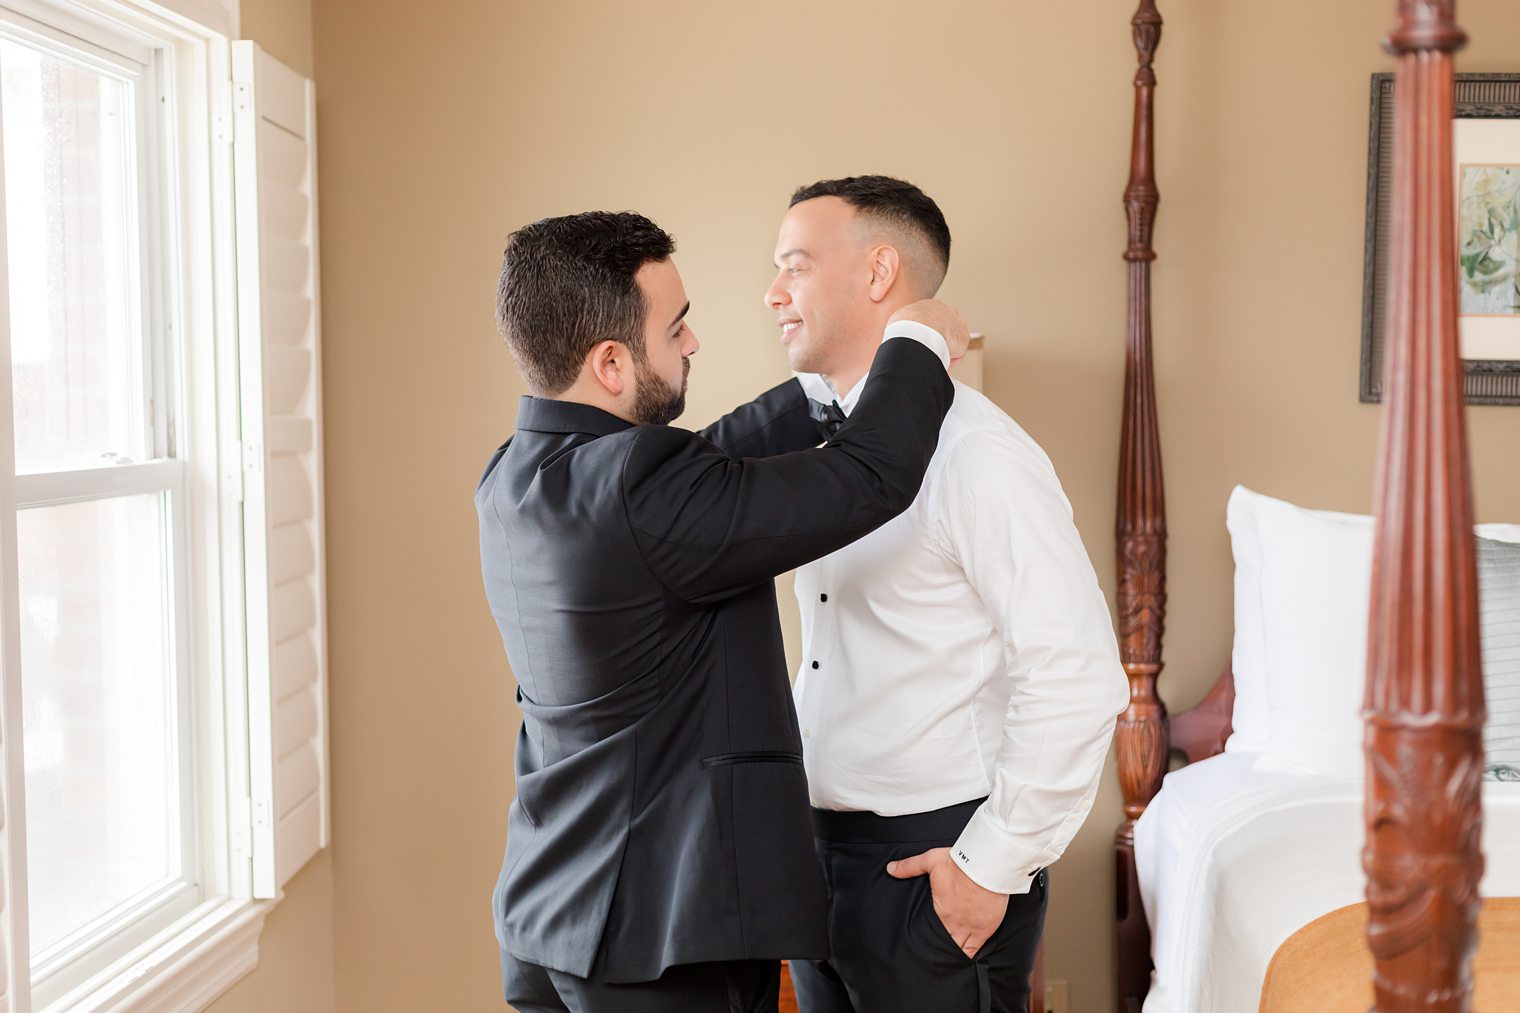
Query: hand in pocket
{"x": 970, "y": 913}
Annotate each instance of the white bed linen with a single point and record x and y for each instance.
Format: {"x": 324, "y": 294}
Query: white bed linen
{"x": 1235, "y": 854}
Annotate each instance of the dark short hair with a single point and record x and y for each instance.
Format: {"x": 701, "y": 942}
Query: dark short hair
{"x": 894, "y": 201}
{"x": 567, "y": 284}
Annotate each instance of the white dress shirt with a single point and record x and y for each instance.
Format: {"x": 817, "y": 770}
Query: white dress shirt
{"x": 964, "y": 650}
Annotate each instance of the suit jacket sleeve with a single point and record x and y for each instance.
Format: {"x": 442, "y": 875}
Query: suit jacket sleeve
{"x": 710, "y": 526}
{"x": 776, "y": 422}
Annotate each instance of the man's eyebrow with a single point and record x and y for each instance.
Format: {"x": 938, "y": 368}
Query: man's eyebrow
{"x": 684, "y": 310}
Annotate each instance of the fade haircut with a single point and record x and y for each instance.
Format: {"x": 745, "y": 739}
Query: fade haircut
{"x": 898, "y": 205}
{"x": 568, "y": 284}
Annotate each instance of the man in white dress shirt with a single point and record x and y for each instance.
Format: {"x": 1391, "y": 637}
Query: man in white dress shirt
{"x": 960, "y": 677}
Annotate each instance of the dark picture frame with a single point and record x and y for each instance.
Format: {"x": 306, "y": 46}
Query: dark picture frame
{"x": 1478, "y": 96}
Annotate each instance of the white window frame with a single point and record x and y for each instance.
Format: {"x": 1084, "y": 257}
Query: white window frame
{"x": 121, "y": 56}
{"x": 186, "y": 964}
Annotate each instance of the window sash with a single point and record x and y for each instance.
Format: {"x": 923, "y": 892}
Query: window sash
{"x": 50, "y": 488}
{"x": 72, "y": 33}
{"x": 95, "y": 946}
{"x": 114, "y": 933}
{"x": 86, "y": 39}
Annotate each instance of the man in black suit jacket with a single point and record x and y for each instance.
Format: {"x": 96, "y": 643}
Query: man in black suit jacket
{"x": 659, "y": 852}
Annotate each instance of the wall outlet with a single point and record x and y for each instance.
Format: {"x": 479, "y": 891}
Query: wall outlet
{"x": 1057, "y": 997}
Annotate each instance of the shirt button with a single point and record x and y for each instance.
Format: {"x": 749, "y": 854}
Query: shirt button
{"x": 815, "y": 665}
{"x": 823, "y": 597}
{"x": 807, "y": 733}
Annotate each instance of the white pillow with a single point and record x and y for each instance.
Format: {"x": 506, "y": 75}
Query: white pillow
{"x": 1251, "y": 719}
{"x": 1302, "y": 587}
{"x": 1316, "y": 579}
{"x": 1499, "y": 532}
{"x": 1248, "y": 659}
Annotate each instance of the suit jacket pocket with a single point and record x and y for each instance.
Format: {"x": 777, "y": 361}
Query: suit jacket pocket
{"x": 753, "y": 756}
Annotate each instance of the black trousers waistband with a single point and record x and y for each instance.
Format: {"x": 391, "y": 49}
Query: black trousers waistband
{"x": 869, "y": 828}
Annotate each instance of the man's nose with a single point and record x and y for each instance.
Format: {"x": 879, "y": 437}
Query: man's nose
{"x": 692, "y": 344}
{"x": 775, "y": 296}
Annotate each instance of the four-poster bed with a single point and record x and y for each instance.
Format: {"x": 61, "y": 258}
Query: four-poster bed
{"x": 1422, "y": 813}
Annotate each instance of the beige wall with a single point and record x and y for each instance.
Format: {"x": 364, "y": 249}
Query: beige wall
{"x": 443, "y": 126}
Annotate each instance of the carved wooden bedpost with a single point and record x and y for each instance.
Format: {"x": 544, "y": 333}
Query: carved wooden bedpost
{"x": 1141, "y": 741}
{"x": 1424, "y": 682}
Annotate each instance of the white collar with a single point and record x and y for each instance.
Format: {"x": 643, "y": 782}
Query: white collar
{"x": 819, "y": 389}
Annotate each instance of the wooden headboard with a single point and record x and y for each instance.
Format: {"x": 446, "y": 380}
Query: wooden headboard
{"x": 1424, "y": 703}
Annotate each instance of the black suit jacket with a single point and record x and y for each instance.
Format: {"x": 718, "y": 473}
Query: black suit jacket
{"x": 662, "y": 812}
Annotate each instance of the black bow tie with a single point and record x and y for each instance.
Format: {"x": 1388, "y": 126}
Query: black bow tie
{"x": 828, "y": 416}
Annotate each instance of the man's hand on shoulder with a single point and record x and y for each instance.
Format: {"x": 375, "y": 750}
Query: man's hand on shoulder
{"x": 970, "y": 913}
{"x": 944, "y": 318}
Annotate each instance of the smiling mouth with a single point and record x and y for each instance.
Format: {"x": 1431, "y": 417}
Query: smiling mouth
{"x": 788, "y": 327}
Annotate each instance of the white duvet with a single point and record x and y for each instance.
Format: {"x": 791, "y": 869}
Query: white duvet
{"x": 1236, "y": 854}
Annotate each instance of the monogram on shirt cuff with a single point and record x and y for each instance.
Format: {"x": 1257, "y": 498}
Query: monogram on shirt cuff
{"x": 993, "y": 860}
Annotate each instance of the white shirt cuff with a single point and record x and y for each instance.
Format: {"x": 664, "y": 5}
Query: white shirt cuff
{"x": 923, "y": 334}
{"x": 993, "y": 860}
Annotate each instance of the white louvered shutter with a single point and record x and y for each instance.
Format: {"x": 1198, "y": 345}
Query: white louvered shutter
{"x": 279, "y": 363}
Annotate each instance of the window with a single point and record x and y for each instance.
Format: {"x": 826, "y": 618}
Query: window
{"x": 161, "y": 586}
{"x": 102, "y": 521}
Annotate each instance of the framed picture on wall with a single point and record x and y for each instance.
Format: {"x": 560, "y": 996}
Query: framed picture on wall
{"x": 1487, "y": 178}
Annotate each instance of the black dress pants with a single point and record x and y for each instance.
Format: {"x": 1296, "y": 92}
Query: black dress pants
{"x": 735, "y": 986}
{"x": 891, "y": 953}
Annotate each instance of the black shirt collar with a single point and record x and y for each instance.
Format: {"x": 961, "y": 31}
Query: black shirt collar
{"x": 546, "y": 415}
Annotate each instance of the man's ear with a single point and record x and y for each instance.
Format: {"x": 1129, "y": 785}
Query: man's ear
{"x": 610, "y": 363}
{"x": 886, "y": 268}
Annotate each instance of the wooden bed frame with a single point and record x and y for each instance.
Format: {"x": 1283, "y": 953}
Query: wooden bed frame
{"x": 1424, "y": 704}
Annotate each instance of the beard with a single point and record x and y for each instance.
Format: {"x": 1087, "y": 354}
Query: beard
{"x": 655, "y": 402}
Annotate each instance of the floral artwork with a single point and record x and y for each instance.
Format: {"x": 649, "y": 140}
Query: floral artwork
{"x": 1489, "y": 234}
